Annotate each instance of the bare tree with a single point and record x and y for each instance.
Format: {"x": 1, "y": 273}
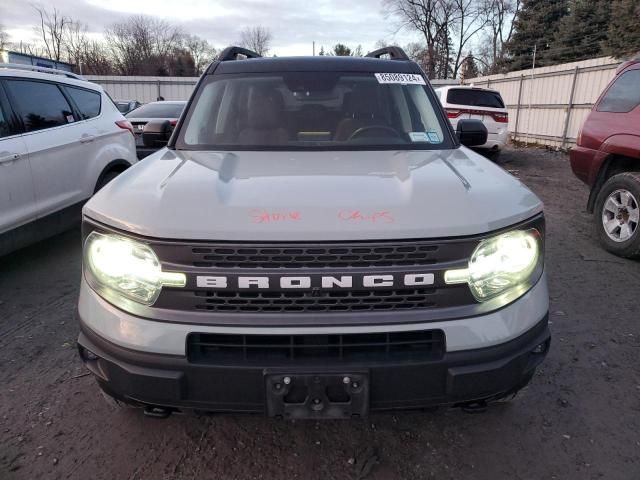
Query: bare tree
{"x": 51, "y": 30}
{"x": 432, "y": 19}
{"x": 469, "y": 19}
{"x": 142, "y": 45}
{"x": 95, "y": 59}
{"x": 4, "y": 38}
{"x": 200, "y": 50}
{"x": 75, "y": 42}
{"x": 499, "y": 15}
{"x": 418, "y": 53}
{"x": 256, "y": 38}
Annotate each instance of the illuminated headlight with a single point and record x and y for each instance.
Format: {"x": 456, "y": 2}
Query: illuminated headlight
{"x": 500, "y": 264}
{"x": 126, "y": 267}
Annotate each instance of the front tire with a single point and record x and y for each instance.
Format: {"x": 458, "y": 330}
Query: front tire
{"x": 106, "y": 178}
{"x": 617, "y": 215}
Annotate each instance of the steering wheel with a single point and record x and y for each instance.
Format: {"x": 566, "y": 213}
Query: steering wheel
{"x": 379, "y": 128}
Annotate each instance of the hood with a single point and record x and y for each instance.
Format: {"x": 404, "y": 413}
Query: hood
{"x": 313, "y": 196}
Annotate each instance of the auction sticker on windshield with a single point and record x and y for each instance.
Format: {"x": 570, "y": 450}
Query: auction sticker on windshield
{"x": 402, "y": 78}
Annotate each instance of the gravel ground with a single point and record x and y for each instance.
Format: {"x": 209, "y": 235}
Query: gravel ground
{"x": 579, "y": 418}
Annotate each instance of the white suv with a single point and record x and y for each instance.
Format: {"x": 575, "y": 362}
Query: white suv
{"x": 61, "y": 140}
{"x": 460, "y": 102}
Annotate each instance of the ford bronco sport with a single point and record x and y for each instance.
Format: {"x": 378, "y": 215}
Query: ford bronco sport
{"x": 314, "y": 242}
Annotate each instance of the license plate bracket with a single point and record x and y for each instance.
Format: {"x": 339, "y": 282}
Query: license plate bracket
{"x": 317, "y": 395}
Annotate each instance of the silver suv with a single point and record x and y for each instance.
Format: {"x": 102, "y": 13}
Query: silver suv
{"x": 314, "y": 242}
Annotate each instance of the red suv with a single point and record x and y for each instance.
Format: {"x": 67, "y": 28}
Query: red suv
{"x": 607, "y": 158}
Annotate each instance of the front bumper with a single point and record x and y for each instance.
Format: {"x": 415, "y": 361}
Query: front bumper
{"x": 582, "y": 163}
{"x": 146, "y": 362}
{"x": 173, "y": 382}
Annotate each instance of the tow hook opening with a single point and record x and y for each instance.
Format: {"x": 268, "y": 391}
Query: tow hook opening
{"x": 157, "y": 412}
{"x": 541, "y": 348}
{"x": 479, "y": 406}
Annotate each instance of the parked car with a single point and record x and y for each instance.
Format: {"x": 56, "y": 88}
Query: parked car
{"x": 314, "y": 242}
{"x": 165, "y": 111}
{"x": 607, "y": 158}
{"x": 486, "y": 105}
{"x": 126, "y": 106}
{"x": 61, "y": 140}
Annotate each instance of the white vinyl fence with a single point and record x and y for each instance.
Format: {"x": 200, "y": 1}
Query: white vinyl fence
{"x": 548, "y": 105}
{"x": 146, "y": 89}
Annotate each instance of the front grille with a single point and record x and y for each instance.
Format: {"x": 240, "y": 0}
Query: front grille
{"x": 218, "y": 349}
{"x": 319, "y": 301}
{"x": 277, "y": 260}
{"x": 317, "y": 256}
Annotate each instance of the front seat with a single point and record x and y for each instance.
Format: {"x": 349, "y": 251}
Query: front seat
{"x": 361, "y": 110}
{"x": 265, "y": 119}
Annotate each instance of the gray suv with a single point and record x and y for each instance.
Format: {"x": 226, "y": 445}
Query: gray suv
{"x": 314, "y": 241}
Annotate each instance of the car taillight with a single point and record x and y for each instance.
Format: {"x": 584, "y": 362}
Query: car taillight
{"x": 173, "y": 123}
{"x": 453, "y": 113}
{"x": 501, "y": 117}
{"x": 125, "y": 125}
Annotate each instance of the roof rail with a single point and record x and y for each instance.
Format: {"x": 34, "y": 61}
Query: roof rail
{"x": 231, "y": 53}
{"x": 35, "y": 68}
{"x": 395, "y": 53}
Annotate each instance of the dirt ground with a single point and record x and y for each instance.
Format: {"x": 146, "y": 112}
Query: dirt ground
{"x": 579, "y": 418}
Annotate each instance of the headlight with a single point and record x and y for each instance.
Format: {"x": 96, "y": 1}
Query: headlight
{"x": 126, "y": 267}
{"x": 501, "y": 263}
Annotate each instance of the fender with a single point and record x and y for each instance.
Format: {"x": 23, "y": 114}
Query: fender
{"x": 623, "y": 145}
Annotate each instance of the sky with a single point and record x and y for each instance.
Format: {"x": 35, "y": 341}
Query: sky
{"x": 295, "y": 24}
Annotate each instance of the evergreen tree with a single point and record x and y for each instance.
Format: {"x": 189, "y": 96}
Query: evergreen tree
{"x": 469, "y": 68}
{"x": 536, "y": 24}
{"x": 623, "y": 36}
{"x": 341, "y": 50}
{"x": 581, "y": 33}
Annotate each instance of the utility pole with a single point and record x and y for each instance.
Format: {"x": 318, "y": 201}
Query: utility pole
{"x": 533, "y": 69}
{"x": 314, "y": 48}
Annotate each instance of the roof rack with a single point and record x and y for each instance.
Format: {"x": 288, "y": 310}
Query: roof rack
{"x": 395, "y": 53}
{"x": 35, "y": 68}
{"x": 231, "y": 53}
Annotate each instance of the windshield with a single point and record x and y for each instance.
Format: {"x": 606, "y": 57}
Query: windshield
{"x": 158, "y": 110}
{"x": 314, "y": 110}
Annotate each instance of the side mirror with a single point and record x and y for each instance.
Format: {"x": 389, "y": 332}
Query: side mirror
{"x": 156, "y": 133}
{"x": 471, "y": 133}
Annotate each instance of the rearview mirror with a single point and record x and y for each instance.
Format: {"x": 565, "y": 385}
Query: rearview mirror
{"x": 471, "y": 133}
{"x": 156, "y": 134}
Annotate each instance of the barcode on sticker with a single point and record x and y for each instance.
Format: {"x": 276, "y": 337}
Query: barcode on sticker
{"x": 402, "y": 78}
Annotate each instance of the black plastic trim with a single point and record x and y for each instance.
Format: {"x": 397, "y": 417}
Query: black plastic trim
{"x": 231, "y": 53}
{"x": 457, "y": 378}
{"x": 395, "y": 53}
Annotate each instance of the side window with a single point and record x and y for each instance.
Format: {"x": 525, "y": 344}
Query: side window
{"x": 624, "y": 94}
{"x": 40, "y": 105}
{"x": 5, "y": 131}
{"x": 87, "y": 101}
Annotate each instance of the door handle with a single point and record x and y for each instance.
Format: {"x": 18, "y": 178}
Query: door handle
{"x": 87, "y": 138}
{"x": 12, "y": 157}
